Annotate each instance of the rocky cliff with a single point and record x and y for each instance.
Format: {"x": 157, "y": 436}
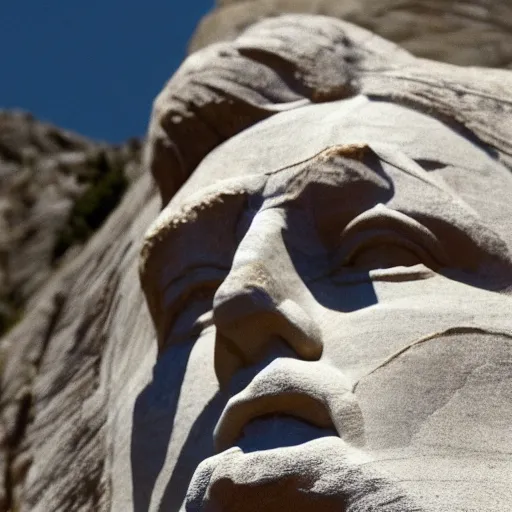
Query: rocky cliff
{"x": 56, "y": 189}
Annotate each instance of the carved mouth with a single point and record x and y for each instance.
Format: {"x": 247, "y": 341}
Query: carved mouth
{"x": 310, "y": 391}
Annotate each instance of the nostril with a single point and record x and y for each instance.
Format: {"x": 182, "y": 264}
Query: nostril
{"x": 252, "y": 317}
{"x": 228, "y": 360}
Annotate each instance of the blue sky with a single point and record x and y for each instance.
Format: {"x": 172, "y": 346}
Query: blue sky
{"x": 92, "y": 66}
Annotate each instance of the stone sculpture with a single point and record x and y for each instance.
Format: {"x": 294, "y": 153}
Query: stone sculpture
{"x": 331, "y": 286}
{"x": 334, "y": 248}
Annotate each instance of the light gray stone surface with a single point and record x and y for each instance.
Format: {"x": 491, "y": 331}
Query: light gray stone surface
{"x": 463, "y": 32}
{"x": 328, "y": 286}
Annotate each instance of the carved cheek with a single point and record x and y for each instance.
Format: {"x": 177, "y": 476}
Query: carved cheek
{"x": 438, "y": 392}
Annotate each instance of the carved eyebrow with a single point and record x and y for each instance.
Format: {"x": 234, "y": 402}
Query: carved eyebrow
{"x": 384, "y": 216}
{"x": 403, "y": 163}
{"x": 172, "y": 223}
{"x": 171, "y": 220}
{"x": 167, "y": 238}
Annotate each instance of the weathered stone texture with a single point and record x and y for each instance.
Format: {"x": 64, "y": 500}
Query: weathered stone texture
{"x": 466, "y": 32}
{"x": 61, "y": 366}
{"x": 51, "y": 182}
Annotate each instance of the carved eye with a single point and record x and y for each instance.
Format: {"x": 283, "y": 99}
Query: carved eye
{"x": 385, "y": 250}
{"x": 384, "y": 238}
{"x": 187, "y": 299}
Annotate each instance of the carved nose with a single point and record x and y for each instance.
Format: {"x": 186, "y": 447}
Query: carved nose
{"x": 252, "y": 312}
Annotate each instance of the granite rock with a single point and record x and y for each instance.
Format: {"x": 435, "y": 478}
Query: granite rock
{"x": 55, "y": 189}
{"x": 467, "y": 32}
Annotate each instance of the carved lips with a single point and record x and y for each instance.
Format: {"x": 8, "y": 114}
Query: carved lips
{"x": 311, "y": 391}
{"x": 304, "y": 476}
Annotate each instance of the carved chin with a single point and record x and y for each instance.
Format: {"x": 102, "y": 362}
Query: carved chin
{"x": 321, "y": 475}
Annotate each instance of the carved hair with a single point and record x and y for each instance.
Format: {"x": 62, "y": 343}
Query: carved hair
{"x": 293, "y": 60}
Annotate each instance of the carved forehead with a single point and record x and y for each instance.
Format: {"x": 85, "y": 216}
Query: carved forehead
{"x": 291, "y": 137}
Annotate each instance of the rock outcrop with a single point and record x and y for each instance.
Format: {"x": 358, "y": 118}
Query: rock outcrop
{"x": 468, "y": 32}
{"x": 56, "y": 188}
{"x": 61, "y": 363}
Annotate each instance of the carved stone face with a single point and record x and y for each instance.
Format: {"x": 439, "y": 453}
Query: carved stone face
{"x": 342, "y": 271}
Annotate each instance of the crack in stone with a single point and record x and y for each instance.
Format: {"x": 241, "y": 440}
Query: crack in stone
{"x": 438, "y": 334}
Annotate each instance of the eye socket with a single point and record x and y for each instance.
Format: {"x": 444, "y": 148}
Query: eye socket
{"x": 195, "y": 316}
{"x": 382, "y": 238}
{"x": 384, "y": 256}
{"x": 186, "y": 300}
